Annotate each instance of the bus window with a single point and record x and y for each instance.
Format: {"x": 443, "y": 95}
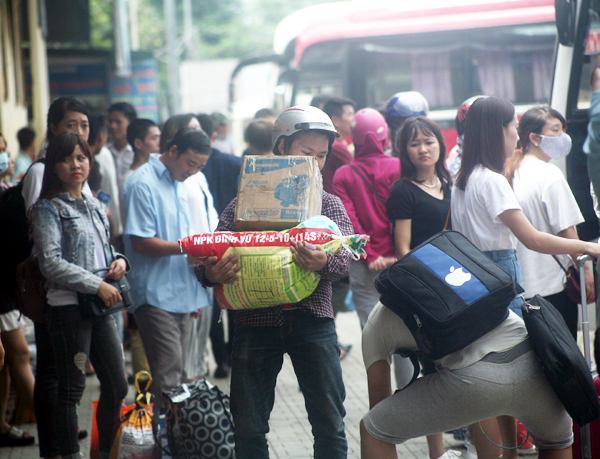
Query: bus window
{"x": 532, "y": 76}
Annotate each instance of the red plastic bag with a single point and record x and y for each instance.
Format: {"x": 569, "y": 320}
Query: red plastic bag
{"x": 94, "y": 452}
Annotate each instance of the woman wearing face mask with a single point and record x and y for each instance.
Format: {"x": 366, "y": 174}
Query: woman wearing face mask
{"x": 549, "y": 204}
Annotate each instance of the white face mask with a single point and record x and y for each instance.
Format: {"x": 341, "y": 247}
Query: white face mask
{"x": 556, "y": 147}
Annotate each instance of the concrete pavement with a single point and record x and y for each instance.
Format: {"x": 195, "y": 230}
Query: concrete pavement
{"x": 290, "y": 435}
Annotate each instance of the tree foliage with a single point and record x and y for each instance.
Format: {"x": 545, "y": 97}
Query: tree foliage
{"x": 223, "y": 28}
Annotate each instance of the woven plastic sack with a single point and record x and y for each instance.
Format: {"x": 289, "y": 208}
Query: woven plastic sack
{"x": 135, "y": 438}
{"x": 269, "y": 276}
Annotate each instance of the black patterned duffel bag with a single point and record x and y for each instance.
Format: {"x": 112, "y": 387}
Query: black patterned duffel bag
{"x": 199, "y": 422}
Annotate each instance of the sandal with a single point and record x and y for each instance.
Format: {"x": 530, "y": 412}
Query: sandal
{"x": 16, "y": 437}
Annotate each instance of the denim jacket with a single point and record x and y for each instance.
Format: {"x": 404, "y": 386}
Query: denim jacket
{"x": 64, "y": 241}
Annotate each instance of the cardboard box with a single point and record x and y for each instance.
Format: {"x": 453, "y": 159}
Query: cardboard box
{"x": 277, "y": 192}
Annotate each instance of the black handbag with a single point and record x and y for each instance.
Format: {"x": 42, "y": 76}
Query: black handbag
{"x": 562, "y": 361}
{"x": 448, "y": 293}
{"x": 199, "y": 423}
{"x": 91, "y": 305}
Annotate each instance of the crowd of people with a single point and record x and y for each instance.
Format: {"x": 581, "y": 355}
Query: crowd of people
{"x": 110, "y": 194}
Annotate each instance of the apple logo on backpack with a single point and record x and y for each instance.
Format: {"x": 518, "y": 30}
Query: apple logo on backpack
{"x": 457, "y": 277}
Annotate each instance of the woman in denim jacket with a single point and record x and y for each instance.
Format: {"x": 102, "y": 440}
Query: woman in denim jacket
{"x": 70, "y": 231}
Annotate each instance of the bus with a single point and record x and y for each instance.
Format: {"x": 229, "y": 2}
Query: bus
{"x": 527, "y": 51}
{"x": 578, "y": 45}
{"x": 448, "y": 51}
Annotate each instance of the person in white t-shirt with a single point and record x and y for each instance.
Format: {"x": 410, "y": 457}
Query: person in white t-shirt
{"x": 549, "y": 204}
{"x": 485, "y": 209}
{"x": 119, "y": 117}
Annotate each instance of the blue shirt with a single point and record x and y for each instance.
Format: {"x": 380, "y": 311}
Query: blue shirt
{"x": 157, "y": 207}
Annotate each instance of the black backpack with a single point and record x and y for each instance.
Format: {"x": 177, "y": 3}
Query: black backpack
{"x": 448, "y": 293}
{"x": 14, "y": 234}
{"x": 562, "y": 361}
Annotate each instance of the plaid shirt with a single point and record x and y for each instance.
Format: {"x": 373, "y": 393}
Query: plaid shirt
{"x": 318, "y": 303}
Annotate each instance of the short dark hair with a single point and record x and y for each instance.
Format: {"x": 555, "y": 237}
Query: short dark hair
{"x": 58, "y": 110}
{"x": 483, "y": 142}
{"x": 319, "y": 100}
{"x": 412, "y": 127}
{"x": 25, "y": 136}
{"x": 259, "y": 133}
{"x": 534, "y": 120}
{"x": 126, "y": 108}
{"x": 189, "y": 138}
{"x": 95, "y": 177}
{"x": 207, "y": 123}
{"x": 98, "y": 125}
{"x": 335, "y": 106}
{"x": 138, "y": 129}
{"x": 60, "y": 147}
{"x": 264, "y": 113}
{"x": 170, "y": 128}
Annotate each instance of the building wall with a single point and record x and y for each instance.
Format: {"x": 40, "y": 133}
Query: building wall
{"x": 13, "y": 108}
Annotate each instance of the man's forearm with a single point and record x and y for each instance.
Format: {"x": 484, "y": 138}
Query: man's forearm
{"x": 155, "y": 246}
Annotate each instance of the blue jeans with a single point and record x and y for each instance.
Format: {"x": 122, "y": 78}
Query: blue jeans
{"x": 507, "y": 260}
{"x": 74, "y": 341}
{"x": 257, "y": 358}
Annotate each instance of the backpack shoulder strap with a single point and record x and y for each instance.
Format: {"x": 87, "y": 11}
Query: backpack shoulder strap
{"x": 367, "y": 184}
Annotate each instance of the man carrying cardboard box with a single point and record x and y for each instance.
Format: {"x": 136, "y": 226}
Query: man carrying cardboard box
{"x": 305, "y": 330}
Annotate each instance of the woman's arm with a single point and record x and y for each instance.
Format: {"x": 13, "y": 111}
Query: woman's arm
{"x": 47, "y": 235}
{"x": 402, "y": 237}
{"x": 541, "y": 242}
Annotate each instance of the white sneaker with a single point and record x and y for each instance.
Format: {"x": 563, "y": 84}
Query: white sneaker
{"x": 471, "y": 451}
{"x": 451, "y": 454}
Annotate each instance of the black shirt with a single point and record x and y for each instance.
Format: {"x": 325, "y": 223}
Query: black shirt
{"x": 428, "y": 214}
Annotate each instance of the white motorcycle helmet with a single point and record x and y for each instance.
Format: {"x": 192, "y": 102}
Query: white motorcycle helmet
{"x": 302, "y": 118}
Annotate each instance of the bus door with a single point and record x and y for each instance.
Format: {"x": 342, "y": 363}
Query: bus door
{"x": 578, "y": 45}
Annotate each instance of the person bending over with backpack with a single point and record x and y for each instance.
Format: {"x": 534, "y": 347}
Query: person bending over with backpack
{"x": 498, "y": 374}
{"x": 418, "y": 208}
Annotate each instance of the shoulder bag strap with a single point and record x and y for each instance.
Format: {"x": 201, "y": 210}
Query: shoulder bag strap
{"x": 368, "y": 185}
{"x": 560, "y": 264}
{"x": 447, "y": 219}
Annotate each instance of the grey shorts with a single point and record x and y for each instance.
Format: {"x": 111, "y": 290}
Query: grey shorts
{"x": 491, "y": 387}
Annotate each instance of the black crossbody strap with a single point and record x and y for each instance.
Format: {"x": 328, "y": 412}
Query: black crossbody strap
{"x": 368, "y": 185}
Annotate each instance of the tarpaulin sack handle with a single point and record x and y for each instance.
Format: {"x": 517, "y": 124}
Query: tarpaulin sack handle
{"x": 143, "y": 397}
